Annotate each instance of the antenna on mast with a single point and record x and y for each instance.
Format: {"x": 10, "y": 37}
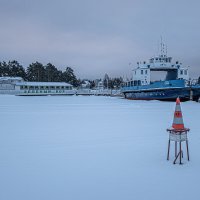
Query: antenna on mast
{"x": 158, "y": 48}
{"x": 161, "y": 46}
{"x": 163, "y": 49}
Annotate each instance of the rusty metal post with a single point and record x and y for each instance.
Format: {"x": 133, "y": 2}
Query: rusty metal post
{"x": 187, "y": 150}
{"x": 175, "y": 149}
{"x": 180, "y": 153}
{"x": 168, "y": 150}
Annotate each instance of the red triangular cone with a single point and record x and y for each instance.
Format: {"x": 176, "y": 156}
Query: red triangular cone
{"x": 178, "y": 118}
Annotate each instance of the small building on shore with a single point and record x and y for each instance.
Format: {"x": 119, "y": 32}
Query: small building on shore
{"x": 85, "y": 85}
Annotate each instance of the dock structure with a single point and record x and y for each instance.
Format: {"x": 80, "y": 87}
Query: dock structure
{"x": 99, "y": 92}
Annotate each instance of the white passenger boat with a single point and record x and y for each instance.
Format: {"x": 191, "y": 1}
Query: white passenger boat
{"x": 17, "y": 86}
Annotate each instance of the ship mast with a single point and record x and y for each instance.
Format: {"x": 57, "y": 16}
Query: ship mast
{"x": 162, "y": 47}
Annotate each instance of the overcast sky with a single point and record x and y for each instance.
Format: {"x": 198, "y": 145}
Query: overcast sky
{"x": 95, "y": 37}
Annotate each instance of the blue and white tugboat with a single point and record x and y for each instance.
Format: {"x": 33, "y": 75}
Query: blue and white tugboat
{"x": 176, "y": 83}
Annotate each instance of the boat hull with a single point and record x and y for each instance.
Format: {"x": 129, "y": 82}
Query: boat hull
{"x": 163, "y": 90}
{"x": 164, "y": 95}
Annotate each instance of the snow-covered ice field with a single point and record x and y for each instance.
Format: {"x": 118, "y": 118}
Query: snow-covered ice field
{"x": 94, "y": 148}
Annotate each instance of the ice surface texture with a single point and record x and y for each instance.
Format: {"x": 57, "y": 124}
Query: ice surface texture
{"x": 94, "y": 148}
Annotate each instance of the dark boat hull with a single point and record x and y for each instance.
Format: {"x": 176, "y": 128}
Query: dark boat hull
{"x": 163, "y": 90}
{"x": 164, "y": 95}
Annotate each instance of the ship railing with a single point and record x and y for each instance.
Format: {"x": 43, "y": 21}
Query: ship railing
{"x": 192, "y": 82}
{"x": 187, "y": 83}
{"x": 47, "y": 91}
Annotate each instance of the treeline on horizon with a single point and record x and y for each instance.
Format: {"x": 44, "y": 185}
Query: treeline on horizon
{"x": 37, "y": 72}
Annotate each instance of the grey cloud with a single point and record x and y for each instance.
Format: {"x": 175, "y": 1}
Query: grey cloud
{"x": 99, "y": 36}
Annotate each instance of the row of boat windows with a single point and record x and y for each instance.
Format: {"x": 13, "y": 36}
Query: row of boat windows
{"x": 43, "y": 91}
{"x": 168, "y": 60}
{"x": 183, "y": 71}
{"x": 45, "y": 87}
{"x": 154, "y": 94}
{"x": 143, "y": 71}
{"x": 133, "y": 83}
{"x": 151, "y": 94}
{"x": 146, "y": 72}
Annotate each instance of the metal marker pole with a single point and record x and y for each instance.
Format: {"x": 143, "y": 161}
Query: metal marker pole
{"x": 187, "y": 150}
{"x": 175, "y": 149}
{"x": 180, "y": 153}
{"x": 168, "y": 150}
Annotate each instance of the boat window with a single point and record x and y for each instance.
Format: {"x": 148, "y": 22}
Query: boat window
{"x": 185, "y": 72}
{"x": 141, "y": 71}
{"x": 181, "y": 72}
{"x": 131, "y": 83}
{"x": 145, "y": 71}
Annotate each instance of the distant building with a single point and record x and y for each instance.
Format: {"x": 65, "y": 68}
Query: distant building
{"x": 85, "y": 85}
{"x": 99, "y": 84}
{"x": 7, "y": 84}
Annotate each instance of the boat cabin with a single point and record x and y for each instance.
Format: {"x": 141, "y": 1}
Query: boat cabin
{"x": 142, "y": 73}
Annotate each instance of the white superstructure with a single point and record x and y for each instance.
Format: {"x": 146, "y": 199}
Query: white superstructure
{"x": 142, "y": 74}
{"x": 7, "y": 84}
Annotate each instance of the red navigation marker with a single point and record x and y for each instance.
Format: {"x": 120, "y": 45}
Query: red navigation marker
{"x": 178, "y": 117}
